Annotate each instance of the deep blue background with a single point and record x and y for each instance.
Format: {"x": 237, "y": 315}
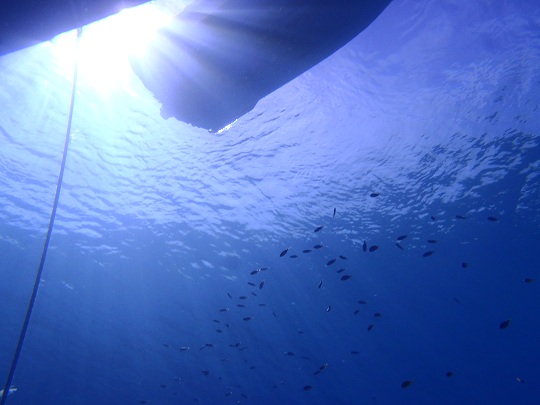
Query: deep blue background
{"x": 435, "y": 107}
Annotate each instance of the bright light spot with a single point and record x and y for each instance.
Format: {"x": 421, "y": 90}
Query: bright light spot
{"x": 105, "y": 46}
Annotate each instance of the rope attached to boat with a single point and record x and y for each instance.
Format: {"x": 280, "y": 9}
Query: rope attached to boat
{"x": 24, "y": 328}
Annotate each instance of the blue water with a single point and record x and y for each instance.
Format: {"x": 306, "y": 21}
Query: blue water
{"x": 434, "y": 107}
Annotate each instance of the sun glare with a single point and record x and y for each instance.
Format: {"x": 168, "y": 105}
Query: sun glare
{"x": 105, "y": 45}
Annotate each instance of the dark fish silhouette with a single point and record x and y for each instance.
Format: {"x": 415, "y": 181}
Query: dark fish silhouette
{"x": 262, "y": 305}
{"x": 340, "y": 270}
{"x": 223, "y": 309}
{"x": 356, "y": 312}
{"x": 370, "y": 327}
{"x": 320, "y": 284}
{"x": 432, "y": 241}
{"x": 329, "y": 308}
{"x": 206, "y": 345}
{"x": 306, "y": 251}
{"x": 205, "y": 372}
{"x": 354, "y": 352}
{"x": 428, "y": 253}
{"x": 308, "y": 387}
{"x": 318, "y": 228}
{"x": 293, "y": 256}
{"x": 377, "y": 314}
{"x": 184, "y": 348}
{"x": 464, "y": 265}
{"x": 252, "y": 293}
{"x": 520, "y": 380}
{"x": 331, "y": 262}
{"x": 460, "y": 217}
{"x": 504, "y": 324}
{"x": 375, "y": 194}
{"x": 254, "y": 272}
{"x": 334, "y": 213}
{"x": 401, "y": 237}
{"x": 289, "y": 354}
{"x": 491, "y": 218}
{"x": 284, "y": 252}
{"x": 364, "y": 246}
{"x": 373, "y": 248}
{"x": 433, "y": 218}
{"x": 321, "y": 368}
{"x": 317, "y": 246}
{"x": 345, "y": 277}
{"x": 240, "y": 305}
{"x": 399, "y": 246}
{"x": 449, "y": 373}
{"x": 247, "y": 318}
{"x": 261, "y": 285}
{"x": 406, "y": 383}
{"x": 242, "y": 297}
{"x": 528, "y": 280}
{"x": 343, "y": 257}
{"x": 216, "y": 321}
{"x": 230, "y": 296}
{"x": 219, "y": 331}
{"x": 362, "y": 302}
{"x": 251, "y": 284}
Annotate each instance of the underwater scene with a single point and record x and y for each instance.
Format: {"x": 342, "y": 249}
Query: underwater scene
{"x": 368, "y": 234}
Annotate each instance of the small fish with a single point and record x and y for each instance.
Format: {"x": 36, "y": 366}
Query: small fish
{"x": 318, "y": 228}
{"x": 289, "y": 354}
{"x": 373, "y": 195}
{"x": 223, "y": 309}
{"x": 293, "y": 256}
{"x": 353, "y": 352}
{"x": 377, "y": 315}
{"x": 165, "y": 345}
{"x": 373, "y": 248}
{"x": 460, "y": 217}
{"x": 520, "y": 380}
{"x": 491, "y": 218}
{"x": 306, "y": 251}
{"x": 406, "y": 383}
{"x": 254, "y": 272}
{"x": 433, "y": 218}
{"x": 320, "y": 284}
{"x": 247, "y": 318}
{"x": 317, "y": 246}
{"x": 401, "y": 237}
{"x": 308, "y": 387}
{"x": 362, "y": 302}
{"x": 273, "y": 313}
{"x": 216, "y": 321}
{"x": 504, "y": 324}
{"x": 449, "y": 373}
{"x": 184, "y": 348}
{"x": 252, "y": 293}
{"x": 219, "y": 331}
{"x": 334, "y": 213}
{"x": 329, "y": 308}
{"x": 263, "y": 268}
{"x": 261, "y": 285}
{"x": 163, "y": 385}
{"x": 456, "y": 300}
{"x": 428, "y": 253}
{"x": 229, "y": 295}
{"x": 364, "y": 246}
{"x": 242, "y": 297}
{"x": 399, "y": 246}
{"x": 529, "y": 280}
{"x": 464, "y": 265}
{"x": 370, "y": 327}
{"x": 343, "y": 257}
{"x": 251, "y": 284}
{"x": 205, "y": 372}
{"x": 432, "y": 241}
{"x": 284, "y": 252}
{"x": 331, "y": 262}
{"x": 346, "y": 277}
{"x": 206, "y": 345}
{"x": 240, "y": 305}
{"x": 262, "y": 305}
{"x": 340, "y": 270}
{"x": 356, "y": 312}
{"x": 321, "y": 368}
{"x": 300, "y": 331}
